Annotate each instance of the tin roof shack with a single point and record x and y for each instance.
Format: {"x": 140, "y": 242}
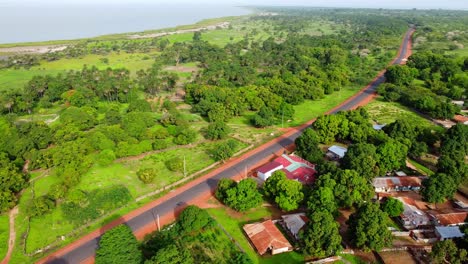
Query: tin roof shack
{"x": 412, "y": 217}
{"x": 294, "y": 223}
{"x": 336, "y": 152}
{"x": 396, "y": 184}
{"x": 266, "y": 237}
{"x": 448, "y": 232}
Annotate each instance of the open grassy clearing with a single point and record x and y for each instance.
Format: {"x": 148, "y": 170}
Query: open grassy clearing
{"x": 233, "y": 221}
{"x": 48, "y": 228}
{"x": 4, "y": 234}
{"x": 421, "y": 167}
{"x": 14, "y": 79}
{"x": 387, "y": 112}
{"x": 312, "y": 109}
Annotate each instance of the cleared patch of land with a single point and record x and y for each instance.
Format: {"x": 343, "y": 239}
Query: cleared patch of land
{"x": 387, "y": 112}
{"x": 397, "y": 257}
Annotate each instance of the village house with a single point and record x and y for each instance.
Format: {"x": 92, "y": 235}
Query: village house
{"x": 336, "y": 152}
{"x": 293, "y": 166}
{"x": 412, "y": 216}
{"x": 266, "y": 237}
{"x": 397, "y": 184}
{"x": 448, "y": 232}
{"x": 451, "y": 219}
{"x": 294, "y": 223}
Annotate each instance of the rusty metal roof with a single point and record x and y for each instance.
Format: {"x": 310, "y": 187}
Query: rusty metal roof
{"x": 265, "y": 236}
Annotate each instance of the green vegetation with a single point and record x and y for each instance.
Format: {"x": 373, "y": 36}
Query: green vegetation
{"x": 110, "y": 120}
{"x": 383, "y": 112}
{"x": 4, "y": 234}
{"x": 393, "y": 207}
{"x": 240, "y": 196}
{"x": 368, "y": 228}
{"x": 118, "y": 245}
{"x": 288, "y": 194}
{"x": 233, "y": 223}
{"x": 195, "y": 238}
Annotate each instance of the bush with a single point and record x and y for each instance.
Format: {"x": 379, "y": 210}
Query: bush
{"x": 146, "y": 175}
{"x": 42, "y": 205}
{"x": 175, "y": 164}
{"x": 106, "y": 157}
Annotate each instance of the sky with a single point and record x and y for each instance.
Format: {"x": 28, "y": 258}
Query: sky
{"x": 422, "y": 4}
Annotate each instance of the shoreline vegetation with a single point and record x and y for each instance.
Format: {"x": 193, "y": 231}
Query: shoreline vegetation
{"x": 38, "y": 47}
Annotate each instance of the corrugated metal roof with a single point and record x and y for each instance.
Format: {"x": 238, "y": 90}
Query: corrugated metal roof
{"x": 294, "y": 222}
{"x": 452, "y": 218}
{"x": 447, "y": 232}
{"x": 265, "y": 236}
{"x": 337, "y": 150}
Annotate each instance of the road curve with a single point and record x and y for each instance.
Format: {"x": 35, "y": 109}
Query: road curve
{"x": 83, "y": 250}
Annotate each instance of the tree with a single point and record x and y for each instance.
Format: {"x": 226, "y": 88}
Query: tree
{"x": 307, "y": 146}
{"x": 224, "y": 150}
{"x": 393, "y": 207}
{"x": 392, "y": 155}
{"x": 447, "y": 252}
{"x": 118, "y": 245}
{"x": 321, "y": 237}
{"x": 328, "y": 127}
{"x": 368, "y": 228}
{"x": 13, "y": 181}
{"x": 42, "y": 205}
{"x": 322, "y": 198}
{"x": 223, "y": 185}
{"x": 400, "y": 75}
{"x": 146, "y": 175}
{"x": 264, "y": 118}
{"x": 363, "y": 158}
{"x": 286, "y": 193}
{"x": 349, "y": 187}
{"x": 193, "y": 218}
{"x": 438, "y": 187}
{"x": 243, "y": 196}
{"x": 217, "y": 130}
{"x": 171, "y": 254}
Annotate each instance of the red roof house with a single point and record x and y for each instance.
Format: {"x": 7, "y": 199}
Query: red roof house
{"x": 294, "y": 167}
{"x": 266, "y": 236}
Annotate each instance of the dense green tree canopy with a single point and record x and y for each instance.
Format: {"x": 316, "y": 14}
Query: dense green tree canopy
{"x": 447, "y": 252}
{"x": 243, "y": 196}
{"x": 321, "y": 237}
{"x": 368, "y": 228}
{"x": 288, "y": 194}
{"x": 393, "y": 207}
{"x": 363, "y": 158}
{"x": 307, "y": 146}
{"x": 118, "y": 245}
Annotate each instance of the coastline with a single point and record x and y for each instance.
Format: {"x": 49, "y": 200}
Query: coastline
{"x": 206, "y": 22}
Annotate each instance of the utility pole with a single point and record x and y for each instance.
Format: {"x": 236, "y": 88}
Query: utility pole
{"x": 282, "y": 117}
{"x": 159, "y": 227}
{"x": 185, "y": 169}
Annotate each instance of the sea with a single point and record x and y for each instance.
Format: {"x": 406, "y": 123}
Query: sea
{"x": 34, "y": 22}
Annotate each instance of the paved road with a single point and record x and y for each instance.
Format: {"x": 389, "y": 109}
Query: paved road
{"x": 86, "y": 250}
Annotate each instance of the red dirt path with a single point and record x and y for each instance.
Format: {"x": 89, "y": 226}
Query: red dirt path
{"x": 167, "y": 219}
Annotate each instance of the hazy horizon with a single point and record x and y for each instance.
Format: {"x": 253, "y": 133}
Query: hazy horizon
{"x": 396, "y": 4}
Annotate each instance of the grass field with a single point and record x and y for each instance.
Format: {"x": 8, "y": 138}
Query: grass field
{"x": 421, "y": 167}
{"x": 48, "y": 228}
{"x": 387, "y": 112}
{"x": 312, "y": 109}
{"x": 12, "y": 79}
{"x": 4, "y": 234}
{"x": 233, "y": 222}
